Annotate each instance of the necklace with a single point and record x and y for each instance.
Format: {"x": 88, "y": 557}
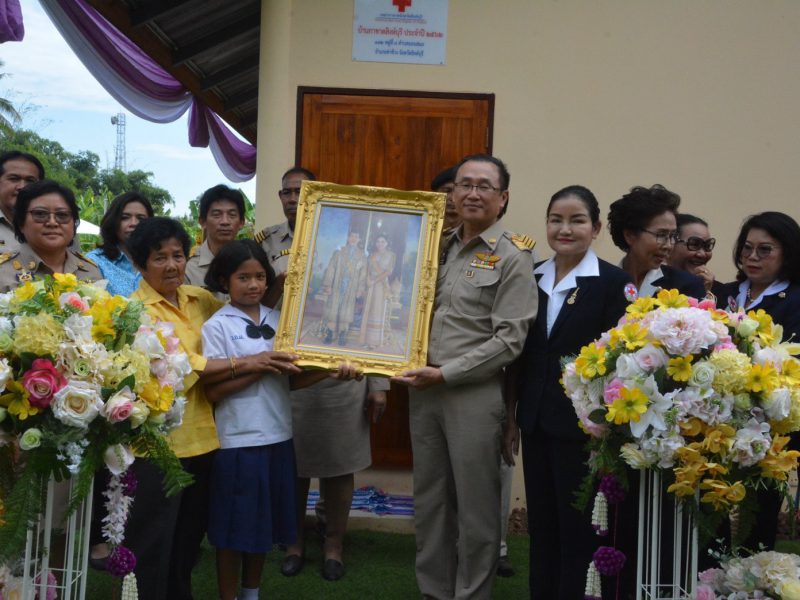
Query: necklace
{"x": 748, "y": 298}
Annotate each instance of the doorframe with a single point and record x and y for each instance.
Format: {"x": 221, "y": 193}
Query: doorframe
{"x": 302, "y": 90}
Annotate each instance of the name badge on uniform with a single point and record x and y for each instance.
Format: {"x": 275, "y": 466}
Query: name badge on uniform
{"x": 484, "y": 261}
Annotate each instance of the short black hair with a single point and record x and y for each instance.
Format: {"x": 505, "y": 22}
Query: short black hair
{"x": 637, "y": 208}
{"x": 221, "y": 192}
{"x": 110, "y": 222}
{"x": 785, "y": 230}
{"x": 229, "y": 258}
{"x": 446, "y": 176}
{"x": 150, "y": 234}
{"x": 32, "y": 191}
{"x": 687, "y": 219}
{"x": 505, "y": 176}
{"x": 17, "y": 155}
{"x": 583, "y": 194}
{"x": 300, "y": 171}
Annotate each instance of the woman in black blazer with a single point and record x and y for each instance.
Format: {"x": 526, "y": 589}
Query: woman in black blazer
{"x": 643, "y": 225}
{"x": 580, "y": 296}
{"x": 767, "y": 259}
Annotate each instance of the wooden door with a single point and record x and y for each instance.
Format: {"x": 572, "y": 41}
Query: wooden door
{"x": 389, "y": 139}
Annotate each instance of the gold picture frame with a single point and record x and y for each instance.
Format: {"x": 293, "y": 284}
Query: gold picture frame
{"x": 361, "y": 278}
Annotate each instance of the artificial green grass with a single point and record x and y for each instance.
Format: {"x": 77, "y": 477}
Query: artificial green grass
{"x": 378, "y": 566}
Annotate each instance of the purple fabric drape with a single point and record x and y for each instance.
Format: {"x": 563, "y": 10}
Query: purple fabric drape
{"x": 143, "y": 87}
{"x": 11, "y": 26}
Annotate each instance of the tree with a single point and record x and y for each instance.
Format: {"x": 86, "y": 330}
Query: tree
{"x": 8, "y": 114}
{"x": 118, "y": 182}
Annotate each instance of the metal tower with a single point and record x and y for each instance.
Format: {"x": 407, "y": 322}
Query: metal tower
{"x": 119, "y": 150}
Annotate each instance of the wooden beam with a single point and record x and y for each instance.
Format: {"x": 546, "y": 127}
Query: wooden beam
{"x": 241, "y": 98}
{"x": 248, "y": 21}
{"x": 117, "y": 14}
{"x": 155, "y": 9}
{"x": 230, "y": 73}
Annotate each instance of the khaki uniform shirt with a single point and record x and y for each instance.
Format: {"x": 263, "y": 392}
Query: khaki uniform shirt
{"x": 276, "y": 240}
{"x": 486, "y": 298}
{"x": 8, "y": 241}
{"x": 197, "y": 266}
{"x": 24, "y": 265}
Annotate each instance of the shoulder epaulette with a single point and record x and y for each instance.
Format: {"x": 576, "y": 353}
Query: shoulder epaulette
{"x": 523, "y": 242}
{"x": 260, "y": 236}
{"x": 6, "y": 256}
{"x": 84, "y": 258}
{"x": 193, "y": 251}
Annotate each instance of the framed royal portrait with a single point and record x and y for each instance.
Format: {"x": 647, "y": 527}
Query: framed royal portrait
{"x": 361, "y": 277}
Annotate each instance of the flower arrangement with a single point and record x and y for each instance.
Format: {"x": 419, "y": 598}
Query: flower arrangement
{"x": 86, "y": 380}
{"x": 705, "y": 396}
{"x": 762, "y": 576}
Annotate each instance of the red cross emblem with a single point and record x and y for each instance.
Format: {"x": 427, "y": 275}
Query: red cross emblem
{"x": 402, "y": 5}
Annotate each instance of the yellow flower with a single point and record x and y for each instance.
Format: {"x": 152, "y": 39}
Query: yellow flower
{"x": 790, "y": 589}
{"x": 25, "y": 292}
{"x": 680, "y": 368}
{"x": 158, "y": 398}
{"x": 103, "y": 312}
{"x": 731, "y": 371}
{"x": 16, "y": 400}
{"x": 591, "y": 361}
{"x": 66, "y": 281}
{"x": 682, "y": 488}
{"x": 692, "y": 427}
{"x": 38, "y": 334}
{"x": 632, "y": 335}
{"x": 641, "y": 306}
{"x": 720, "y": 315}
{"x": 765, "y": 326}
{"x": 762, "y": 379}
{"x": 671, "y": 299}
{"x": 719, "y": 439}
{"x": 721, "y": 494}
{"x": 779, "y": 462}
{"x": 790, "y": 372}
{"x": 630, "y": 406}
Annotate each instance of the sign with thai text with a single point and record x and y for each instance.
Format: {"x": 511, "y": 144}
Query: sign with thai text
{"x": 400, "y": 31}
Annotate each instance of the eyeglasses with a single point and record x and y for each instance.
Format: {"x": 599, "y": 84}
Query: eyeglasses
{"x": 695, "y": 244}
{"x": 289, "y": 192}
{"x": 39, "y": 215}
{"x": 664, "y": 237}
{"x": 481, "y": 188}
{"x": 762, "y": 250}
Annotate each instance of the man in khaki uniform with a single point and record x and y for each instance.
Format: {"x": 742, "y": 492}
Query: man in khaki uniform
{"x": 221, "y": 217}
{"x": 485, "y": 301}
{"x": 17, "y": 169}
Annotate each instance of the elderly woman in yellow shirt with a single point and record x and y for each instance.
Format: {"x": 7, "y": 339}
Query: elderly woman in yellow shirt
{"x": 165, "y": 533}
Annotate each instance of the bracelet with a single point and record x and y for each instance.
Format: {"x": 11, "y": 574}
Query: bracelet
{"x": 233, "y": 367}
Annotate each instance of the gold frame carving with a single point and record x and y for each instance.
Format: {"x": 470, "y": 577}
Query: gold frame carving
{"x": 315, "y": 197}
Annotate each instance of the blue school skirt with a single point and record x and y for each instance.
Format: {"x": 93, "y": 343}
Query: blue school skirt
{"x": 253, "y": 498}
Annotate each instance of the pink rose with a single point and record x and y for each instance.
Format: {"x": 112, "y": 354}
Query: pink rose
{"x": 119, "y": 407}
{"x": 74, "y": 300}
{"x": 42, "y": 380}
{"x": 611, "y": 390}
{"x": 709, "y": 576}
{"x": 704, "y": 592}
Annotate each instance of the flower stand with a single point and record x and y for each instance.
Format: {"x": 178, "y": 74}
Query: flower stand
{"x": 57, "y": 552}
{"x": 666, "y": 568}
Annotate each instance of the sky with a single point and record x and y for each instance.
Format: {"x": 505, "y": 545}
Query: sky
{"x": 60, "y": 100}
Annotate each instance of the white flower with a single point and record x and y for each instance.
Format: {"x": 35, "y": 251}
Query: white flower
{"x": 77, "y": 404}
{"x": 635, "y": 458}
{"x": 702, "y": 374}
{"x": 5, "y": 373}
{"x": 650, "y": 358}
{"x": 747, "y": 327}
{"x": 147, "y": 341}
{"x": 656, "y": 407}
{"x": 685, "y": 331}
{"x": 6, "y": 326}
{"x": 139, "y": 413}
{"x": 5, "y": 300}
{"x": 174, "y": 416}
{"x": 118, "y": 458}
{"x": 777, "y": 404}
{"x": 662, "y": 446}
{"x": 751, "y": 443}
{"x": 79, "y": 328}
{"x": 628, "y": 368}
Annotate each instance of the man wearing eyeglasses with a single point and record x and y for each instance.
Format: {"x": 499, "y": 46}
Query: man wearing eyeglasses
{"x": 17, "y": 169}
{"x": 693, "y": 250}
{"x": 485, "y": 301}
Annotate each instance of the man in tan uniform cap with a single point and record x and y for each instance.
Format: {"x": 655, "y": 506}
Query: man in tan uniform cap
{"x": 485, "y": 301}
